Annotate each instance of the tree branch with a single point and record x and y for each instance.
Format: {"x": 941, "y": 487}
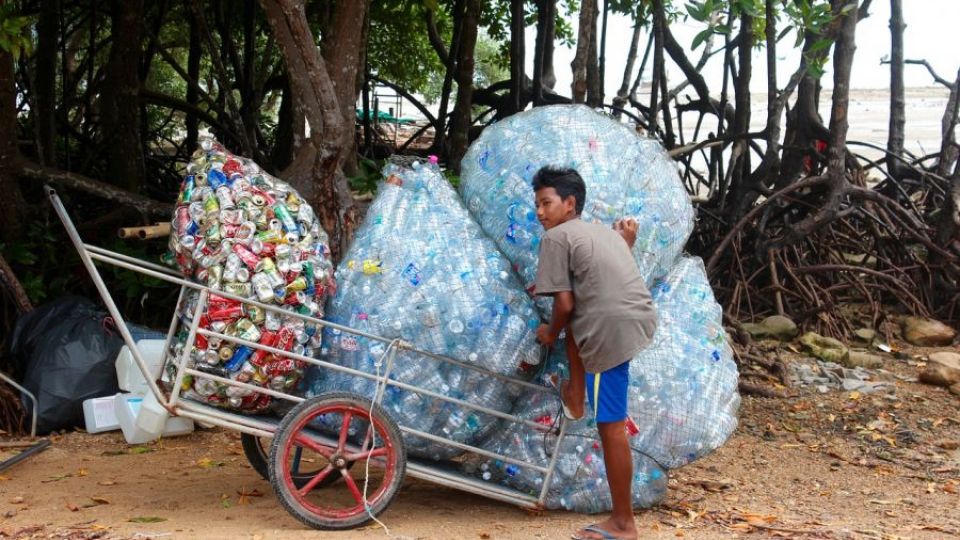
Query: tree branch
{"x": 144, "y": 205}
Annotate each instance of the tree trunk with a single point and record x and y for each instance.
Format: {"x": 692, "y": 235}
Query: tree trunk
{"x": 549, "y": 76}
{"x": 439, "y": 146}
{"x": 462, "y": 117}
{"x": 120, "y": 104}
{"x": 543, "y": 47}
{"x": 288, "y": 122}
{"x": 659, "y": 28}
{"x": 948, "y": 146}
{"x": 585, "y": 34}
{"x": 804, "y": 123}
{"x": 13, "y": 208}
{"x": 623, "y": 94}
{"x": 193, "y": 92}
{"x": 898, "y": 119}
{"x": 838, "y": 185}
{"x": 594, "y": 76}
{"x": 45, "y": 80}
{"x": 343, "y": 49}
{"x": 517, "y": 27}
{"x": 743, "y": 191}
{"x": 602, "y": 62}
{"x": 316, "y": 169}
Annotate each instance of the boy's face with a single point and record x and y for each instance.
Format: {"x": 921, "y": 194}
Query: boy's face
{"x": 552, "y": 210}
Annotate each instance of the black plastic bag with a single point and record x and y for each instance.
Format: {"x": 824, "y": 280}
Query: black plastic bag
{"x": 65, "y": 352}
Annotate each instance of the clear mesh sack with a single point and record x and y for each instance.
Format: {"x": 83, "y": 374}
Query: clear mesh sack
{"x": 421, "y": 269}
{"x": 682, "y": 404}
{"x": 239, "y": 230}
{"x": 627, "y": 176}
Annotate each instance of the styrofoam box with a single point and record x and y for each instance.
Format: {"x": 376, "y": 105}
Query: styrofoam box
{"x": 143, "y": 419}
{"x": 129, "y": 376}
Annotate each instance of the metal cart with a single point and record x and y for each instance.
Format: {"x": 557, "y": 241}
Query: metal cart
{"x": 335, "y": 478}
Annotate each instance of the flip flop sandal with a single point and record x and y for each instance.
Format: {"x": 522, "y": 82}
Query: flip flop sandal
{"x": 595, "y": 529}
{"x": 554, "y": 382}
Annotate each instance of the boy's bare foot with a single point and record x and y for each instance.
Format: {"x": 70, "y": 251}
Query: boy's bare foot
{"x": 608, "y": 530}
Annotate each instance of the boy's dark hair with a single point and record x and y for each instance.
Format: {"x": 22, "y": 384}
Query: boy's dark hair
{"x": 567, "y": 182}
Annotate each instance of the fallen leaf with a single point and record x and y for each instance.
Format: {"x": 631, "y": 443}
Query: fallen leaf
{"x": 72, "y": 507}
{"x": 2, "y": 478}
{"x": 225, "y": 500}
{"x": 56, "y": 478}
{"x": 106, "y": 483}
{"x": 208, "y": 463}
{"x": 245, "y": 495}
{"x": 141, "y": 450}
{"x": 146, "y": 519}
{"x": 16, "y": 500}
{"x": 484, "y": 535}
{"x": 100, "y": 500}
{"x": 855, "y": 395}
{"x": 82, "y": 472}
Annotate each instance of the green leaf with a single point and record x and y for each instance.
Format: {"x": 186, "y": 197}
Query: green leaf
{"x": 700, "y": 38}
{"x": 146, "y": 519}
{"x": 820, "y": 45}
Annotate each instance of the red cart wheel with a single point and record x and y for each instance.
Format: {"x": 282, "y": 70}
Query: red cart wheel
{"x": 257, "y": 450}
{"x": 370, "y": 440}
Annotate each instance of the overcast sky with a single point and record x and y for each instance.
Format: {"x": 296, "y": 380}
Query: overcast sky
{"x": 931, "y": 33}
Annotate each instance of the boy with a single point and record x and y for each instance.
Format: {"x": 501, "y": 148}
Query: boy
{"x": 606, "y": 309}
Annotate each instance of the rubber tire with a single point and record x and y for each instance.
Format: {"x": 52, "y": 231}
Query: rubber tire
{"x": 284, "y": 432}
{"x": 257, "y": 455}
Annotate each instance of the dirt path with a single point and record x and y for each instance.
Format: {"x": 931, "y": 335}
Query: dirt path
{"x": 841, "y": 465}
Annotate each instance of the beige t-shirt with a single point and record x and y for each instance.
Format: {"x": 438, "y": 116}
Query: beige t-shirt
{"x": 613, "y": 317}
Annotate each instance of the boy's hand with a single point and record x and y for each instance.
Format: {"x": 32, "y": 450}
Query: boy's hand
{"x": 627, "y": 229}
{"x": 544, "y": 337}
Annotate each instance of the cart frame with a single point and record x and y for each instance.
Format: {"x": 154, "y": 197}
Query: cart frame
{"x": 264, "y": 426}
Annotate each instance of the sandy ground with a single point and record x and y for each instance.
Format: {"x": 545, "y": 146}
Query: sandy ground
{"x": 838, "y": 465}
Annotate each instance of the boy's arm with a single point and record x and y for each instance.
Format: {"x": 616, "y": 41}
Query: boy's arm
{"x": 563, "y": 303}
{"x": 627, "y": 229}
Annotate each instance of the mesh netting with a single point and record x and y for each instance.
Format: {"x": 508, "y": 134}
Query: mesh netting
{"x": 421, "y": 269}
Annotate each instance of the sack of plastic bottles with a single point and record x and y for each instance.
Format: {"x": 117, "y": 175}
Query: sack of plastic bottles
{"x": 420, "y": 269}
{"x": 579, "y": 481}
{"x": 627, "y": 176}
{"x": 239, "y": 230}
{"x": 682, "y": 405}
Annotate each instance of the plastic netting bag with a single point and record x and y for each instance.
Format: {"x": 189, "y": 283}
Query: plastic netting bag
{"x": 239, "y": 230}
{"x": 682, "y": 404}
{"x": 420, "y": 269}
{"x": 627, "y": 176}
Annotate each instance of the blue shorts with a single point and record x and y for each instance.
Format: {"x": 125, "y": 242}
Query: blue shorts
{"x": 607, "y": 393}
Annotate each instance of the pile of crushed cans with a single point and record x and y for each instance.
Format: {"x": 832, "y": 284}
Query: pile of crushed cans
{"x": 239, "y": 230}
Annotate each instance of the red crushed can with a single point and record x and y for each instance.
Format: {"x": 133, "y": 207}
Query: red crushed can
{"x": 267, "y": 339}
{"x": 227, "y": 313}
{"x": 247, "y": 256}
{"x": 284, "y": 339}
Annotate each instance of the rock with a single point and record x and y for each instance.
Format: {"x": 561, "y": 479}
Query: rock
{"x": 865, "y": 334}
{"x": 775, "y": 326}
{"x": 824, "y": 348}
{"x": 864, "y": 360}
{"x": 927, "y": 332}
{"x": 948, "y": 444}
{"x": 942, "y": 370}
{"x": 955, "y": 389}
{"x": 944, "y": 357}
